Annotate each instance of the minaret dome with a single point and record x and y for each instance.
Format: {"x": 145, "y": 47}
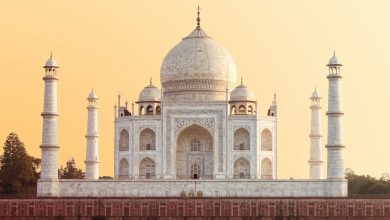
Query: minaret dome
{"x": 51, "y": 63}
{"x": 92, "y": 97}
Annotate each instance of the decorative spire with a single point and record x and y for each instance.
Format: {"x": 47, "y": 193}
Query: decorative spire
{"x": 274, "y": 101}
{"x": 115, "y": 107}
{"x": 241, "y": 80}
{"x": 119, "y": 100}
{"x": 198, "y": 19}
{"x": 272, "y": 111}
{"x": 51, "y": 55}
{"x": 150, "y": 81}
{"x": 198, "y": 32}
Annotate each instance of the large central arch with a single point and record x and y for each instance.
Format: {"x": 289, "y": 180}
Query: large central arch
{"x": 194, "y": 153}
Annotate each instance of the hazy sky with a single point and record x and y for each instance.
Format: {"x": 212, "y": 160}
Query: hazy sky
{"x": 282, "y": 46}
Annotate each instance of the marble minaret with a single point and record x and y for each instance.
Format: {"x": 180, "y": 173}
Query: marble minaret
{"x": 315, "y": 162}
{"x": 335, "y": 145}
{"x": 92, "y": 158}
{"x": 49, "y": 146}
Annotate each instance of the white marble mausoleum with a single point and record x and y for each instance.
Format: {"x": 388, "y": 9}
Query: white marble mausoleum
{"x": 200, "y": 134}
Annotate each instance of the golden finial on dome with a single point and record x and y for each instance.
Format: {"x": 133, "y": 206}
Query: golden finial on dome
{"x": 198, "y": 19}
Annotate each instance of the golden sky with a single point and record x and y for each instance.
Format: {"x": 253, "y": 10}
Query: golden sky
{"x": 282, "y": 46}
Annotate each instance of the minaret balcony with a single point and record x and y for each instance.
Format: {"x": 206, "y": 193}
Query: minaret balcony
{"x": 49, "y": 146}
{"x": 334, "y": 76}
{"x": 50, "y": 114}
{"x": 50, "y": 76}
{"x": 334, "y": 146}
{"x": 335, "y": 114}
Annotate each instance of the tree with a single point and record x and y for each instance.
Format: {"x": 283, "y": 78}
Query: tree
{"x": 366, "y": 184}
{"x": 385, "y": 177}
{"x": 70, "y": 171}
{"x": 18, "y": 170}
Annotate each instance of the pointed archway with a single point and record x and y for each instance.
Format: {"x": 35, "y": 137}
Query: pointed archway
{"x": 194, "y": 153}
{"x": 241, "y": 168}
{"x": 147, "y": 169}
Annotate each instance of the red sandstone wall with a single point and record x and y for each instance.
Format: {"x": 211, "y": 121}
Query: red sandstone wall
{"x": 178, "y": 208}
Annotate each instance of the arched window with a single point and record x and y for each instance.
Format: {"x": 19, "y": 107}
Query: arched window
{"x": 149, "y": 110}
{"x": 250, "y": 110}
{"x": 195, "y": 170}
{"x": 241, "y": 110}
{"x": 123, "y": 168}
{"x": 241, "y": 139}
{"x": 124, "y": 140}
{"x": 141, "y": 109}
{"x": 147, "y": 139}
{"x": 266, "y": 140}
{"x": 147, "y": 169}
{"x": 233, "y": 110}
{"x": 195, "y": 145}
{"x": 241, "y": 169}
{"x": 158, "y": 110}
{"x": 266, "y": 169}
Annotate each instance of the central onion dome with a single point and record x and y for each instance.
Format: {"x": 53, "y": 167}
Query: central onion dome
{"x": 197, "y": 69}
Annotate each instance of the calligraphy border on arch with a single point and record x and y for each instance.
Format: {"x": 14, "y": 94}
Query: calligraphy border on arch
{"x": 208, "y": 123}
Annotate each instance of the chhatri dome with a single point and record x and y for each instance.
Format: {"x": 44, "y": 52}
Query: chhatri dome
{"x": 242, "y": 93}
{"x": 150, "y": 94}
{"x": 198, "y": 68}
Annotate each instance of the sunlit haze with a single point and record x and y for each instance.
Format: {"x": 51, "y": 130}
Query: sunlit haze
{"x": 278, "y": 46}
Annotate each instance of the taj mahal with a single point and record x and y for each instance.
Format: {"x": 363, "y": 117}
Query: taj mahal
{"x": 201, "y": 134}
